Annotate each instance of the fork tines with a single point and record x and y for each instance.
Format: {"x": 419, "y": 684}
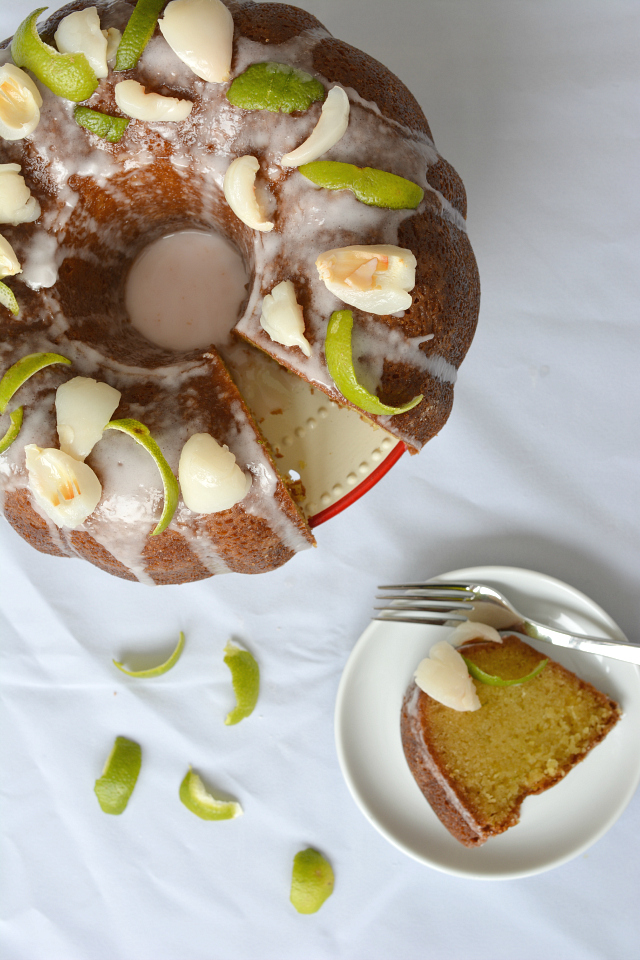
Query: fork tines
{"x": 438, "y": 595}
{"x": 436, "y": 603}
{"x": 399, "y": 615}
{"x": 423, "y": 620}
{"x": 446, "y": 587}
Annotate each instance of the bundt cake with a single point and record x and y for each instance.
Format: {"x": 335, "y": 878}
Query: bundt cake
{"x": 476, "y": 766}
{"x": 312, "y": 167}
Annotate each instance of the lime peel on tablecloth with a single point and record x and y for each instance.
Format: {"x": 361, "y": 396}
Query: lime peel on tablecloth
{"x": 161, "y": 668}
{"x": 245, "y": 677}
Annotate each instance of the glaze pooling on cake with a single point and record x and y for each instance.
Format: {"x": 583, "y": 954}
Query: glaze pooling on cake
{"x": 103, "y": 203}
{"x": 132, "y": 490}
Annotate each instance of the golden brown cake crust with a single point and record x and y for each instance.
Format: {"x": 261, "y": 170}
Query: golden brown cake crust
{"x": 271, "y": 23}
{"x": 432, "y": 787}
{"x": 452, "y": 799}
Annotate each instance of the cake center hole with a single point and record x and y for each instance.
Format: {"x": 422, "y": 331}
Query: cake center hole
{"x": 185, "y": 290}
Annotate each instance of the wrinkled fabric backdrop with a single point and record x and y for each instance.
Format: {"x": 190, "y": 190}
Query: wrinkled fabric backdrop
{"x": 536, "y": 104}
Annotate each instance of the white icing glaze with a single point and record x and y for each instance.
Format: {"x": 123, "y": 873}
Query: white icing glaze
{"x": 43, "y": 259}
{"x": 200, "y": 543}
{"x": 159, "y": 66}
{"x": 132, "y": 500}
{"x": 298, "y": 50}
{"x": 252, "y": 454}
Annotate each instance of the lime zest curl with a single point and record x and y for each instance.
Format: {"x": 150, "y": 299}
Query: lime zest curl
{"x": 22, "y": 370}
{"x": 161, "y": 668}
{"x": 13, "y": 430}
{"x": 142, "y": 435}
{"x": 340, "y": 365}
{"x": 103, "y": 125}
{"x": 198, "y": 800}
{"x": 376, "y": 188}
{"x": 68, "y": 75}
{"x": 491, "y": 680}
{"x": 245, "y": 677}
{"x": 137, "y": 33}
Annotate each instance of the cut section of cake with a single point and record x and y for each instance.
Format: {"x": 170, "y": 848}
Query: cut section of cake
{"x": 476, "y": 766}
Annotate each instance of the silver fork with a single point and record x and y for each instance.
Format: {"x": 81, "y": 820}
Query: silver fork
{"x": 444, "y": 603}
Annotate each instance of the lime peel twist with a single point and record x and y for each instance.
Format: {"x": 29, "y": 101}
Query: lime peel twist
{"x": 142, "y": 435}
{"x": 376, "y": 188}
{"x": 114, "y": 788}
{"x": 22, "y": 370}
{"x": 13, "y": 379}
{"x": 13, "y": 429}
{"x": 137, "y": 33}
{"x": 198, "y": 800}
{"x": 245, "y": 677}
{"x": 340, "y": 365}
{"x": 68, "y": 75}
{"x": 161, "y": 668}
{"x": 492, "y": 681}
{"x": 103, "y": 125}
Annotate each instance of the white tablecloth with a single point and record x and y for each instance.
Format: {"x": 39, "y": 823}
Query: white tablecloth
{"x": 536, "y": 104}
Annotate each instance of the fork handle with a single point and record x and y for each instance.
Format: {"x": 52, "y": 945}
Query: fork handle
{"x": 614, "y": 649}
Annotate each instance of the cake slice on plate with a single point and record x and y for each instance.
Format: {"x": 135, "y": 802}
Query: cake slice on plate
{"x": 475, "y": 766}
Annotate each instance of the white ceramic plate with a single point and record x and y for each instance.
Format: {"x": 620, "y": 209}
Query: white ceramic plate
{"x": 555, "y": 826}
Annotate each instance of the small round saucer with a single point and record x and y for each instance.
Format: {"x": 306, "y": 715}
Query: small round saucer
{"x": 555, "y": 826}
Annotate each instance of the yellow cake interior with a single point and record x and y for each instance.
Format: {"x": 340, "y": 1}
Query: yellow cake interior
{"x": 524, "y": 737}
